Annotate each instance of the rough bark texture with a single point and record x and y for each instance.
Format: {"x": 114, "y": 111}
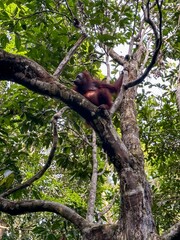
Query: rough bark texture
{"x": 101, "y": 232}
{"x": 136, "y": 216}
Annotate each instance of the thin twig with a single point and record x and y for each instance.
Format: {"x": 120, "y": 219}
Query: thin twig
{"x": 105, "y": 165}
{"x": 146, "y": 56}
{"x": 108, "y": 67}
{"x": 178, "y": 90}
{"x": 93, "y": 184}
{"x": 80, "y": 135}
{"x": 107, "y": 208}
{"x": 133, "y": 31}
{"x": 119, "y": 98}
{"x": 75, "y": 21}
{"x": 69, "y": 9}
{"x": 39, "y": 174}
{"x": 71, "y": 52}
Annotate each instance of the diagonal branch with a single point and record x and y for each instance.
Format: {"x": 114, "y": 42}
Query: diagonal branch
{"x": 119, "y": 98}
{"x": 173, "y": 233}
{"x": 41, "y": 172}
{"x": 74, "y": 19}
{"x": 107, "y": 208}
{"x": 31, "y": 75}
{"x": 30, "y": 206}
{"x": 116, "y": 57}
{"x": 71, "y": 52}
{"x": 158, "y": 42}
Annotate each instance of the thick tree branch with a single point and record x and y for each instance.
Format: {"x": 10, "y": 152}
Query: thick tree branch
{"x": 116, "y": 57}
{"x": 158, "y": 42}
{"x": 31, "y": 75}
{"x": 30, "y": 206}
{"x": 34, "y": 77}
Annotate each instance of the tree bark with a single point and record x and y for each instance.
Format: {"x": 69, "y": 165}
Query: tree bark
{"x": 136, "y": 214}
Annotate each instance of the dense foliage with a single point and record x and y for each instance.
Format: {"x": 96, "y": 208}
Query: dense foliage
{"x": 43, "y": 31}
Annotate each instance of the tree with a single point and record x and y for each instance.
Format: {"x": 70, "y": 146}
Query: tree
{"x": 81, "y": 33}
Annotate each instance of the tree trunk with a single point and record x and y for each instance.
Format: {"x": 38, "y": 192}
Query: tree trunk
{"x": 136, "y": 220}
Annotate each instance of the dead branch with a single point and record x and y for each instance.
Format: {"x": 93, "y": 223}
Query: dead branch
{"x": 108, "y": 67}
{"x": 74, "y": 20}
{"x": 58, "y": 115}
{"x": 80, "y": 135}
{"x": 3, "y": 228}
{"x": 146, "y": 56}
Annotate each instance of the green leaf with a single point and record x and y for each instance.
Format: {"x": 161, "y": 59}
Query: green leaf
{"x": 4, "y": 15}
{"x": 17, "y": 41}
{"x": 51, "y": 237}
{"x": 4, "y": 40}
{"x": 7, "y": 181}
{"x": 15, "y": 11}
{"x": 2, "y": 5}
